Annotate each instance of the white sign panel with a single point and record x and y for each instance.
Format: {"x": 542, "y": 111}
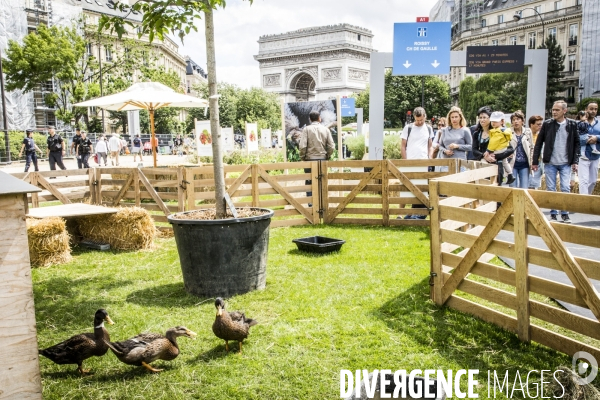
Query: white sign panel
{"x": 228, "y": 139}
{"x": 203, "y": 139}
{"x": 251, "y": 137}
{"x": 265, "y": 138}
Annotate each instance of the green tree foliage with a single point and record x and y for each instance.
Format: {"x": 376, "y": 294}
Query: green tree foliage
{"x": 403, "y": 93}
{"x": 556, "y": 65}
{"x": 582, "y": 105}
{"x": 237, "y": 106}
{"x": 503, "y": 92}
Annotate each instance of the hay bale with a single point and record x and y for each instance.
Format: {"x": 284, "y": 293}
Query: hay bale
{"x": 48, "y": 241}
{"x": 131, "y": 228}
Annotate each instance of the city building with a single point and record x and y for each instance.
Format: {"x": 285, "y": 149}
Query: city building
{"x": 194, "y": 75}
{"x": 28, "y": 110}
{"x": 493, "y": 23}
{"x": 316, "y": 63}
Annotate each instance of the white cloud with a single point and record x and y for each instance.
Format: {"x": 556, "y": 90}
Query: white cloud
{"x": 239, "y": 25}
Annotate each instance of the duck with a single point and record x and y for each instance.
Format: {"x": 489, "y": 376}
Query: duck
{"x": 231, "y": 325}
{"x": 145, "y": 348}
{"x": 80, "y": 347}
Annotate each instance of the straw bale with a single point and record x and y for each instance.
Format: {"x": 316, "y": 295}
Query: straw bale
{"x": 48, "y": 241}
{"x": 131, "y": 228}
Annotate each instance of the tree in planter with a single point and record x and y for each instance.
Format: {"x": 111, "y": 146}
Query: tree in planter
{"x": 556, "y": 65}
{"x": 178, "y": 16}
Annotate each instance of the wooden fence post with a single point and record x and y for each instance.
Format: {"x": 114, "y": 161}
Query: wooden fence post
{"x": 98, "y": 174}
{"x": 315, "y": 181}
{"x": 181, "y": 188}
{"x": 35, "y": 203}
{"x": 136, "y": 187}
{"x": 325, "y": 191}
{"x": 92, "y": 179}
{"x": 436, "y": 277}
{"x": 521, "y": 265}
{"x": 385, "y": 192}
{"x": 255, "y": 191}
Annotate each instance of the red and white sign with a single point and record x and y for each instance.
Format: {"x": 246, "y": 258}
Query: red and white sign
{"x": 422, "y": 19}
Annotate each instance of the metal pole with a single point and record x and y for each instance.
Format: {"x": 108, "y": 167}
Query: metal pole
{"x": 4, "y": 116}
{"x": 423, "y": 91}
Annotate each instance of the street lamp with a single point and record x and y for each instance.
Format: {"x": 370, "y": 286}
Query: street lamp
{"x": 517, "y": 17}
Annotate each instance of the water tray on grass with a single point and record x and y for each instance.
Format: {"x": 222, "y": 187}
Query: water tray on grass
{"x": 319, "y": 244}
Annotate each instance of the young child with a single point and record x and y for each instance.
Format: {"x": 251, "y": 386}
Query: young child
{"x": 499, "y": 141}
{"x": 584, "y": 128}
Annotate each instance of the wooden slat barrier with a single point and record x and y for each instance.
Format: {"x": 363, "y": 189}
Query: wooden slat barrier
{"x": 376, "y": 197}
{"x": 465, "y": 218}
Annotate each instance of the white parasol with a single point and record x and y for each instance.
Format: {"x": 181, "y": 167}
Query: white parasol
{"x": 145, "y": 96}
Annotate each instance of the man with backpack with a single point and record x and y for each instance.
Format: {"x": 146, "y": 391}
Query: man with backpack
{"x": 416, "y": 144}
{"x": 136, "y": 147}
{"x": 74, "y": 144}
{"x": 30, "y": 150}
{"x": 56, "y": 150}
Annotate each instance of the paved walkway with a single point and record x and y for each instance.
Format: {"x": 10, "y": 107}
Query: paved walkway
{"x": 124, "y": 161}
{"x": 591, "y": 221}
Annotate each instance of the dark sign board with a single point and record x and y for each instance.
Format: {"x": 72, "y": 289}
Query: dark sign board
{"x": 484, "y": 59}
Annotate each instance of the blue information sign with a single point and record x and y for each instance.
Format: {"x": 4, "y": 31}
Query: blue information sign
{"x": 421, "y": 48}
{"x": 348, "y": 107}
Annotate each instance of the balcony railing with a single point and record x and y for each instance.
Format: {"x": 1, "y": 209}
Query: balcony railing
{"x": 573, "y": 41}
{"x": 570, "y": 75}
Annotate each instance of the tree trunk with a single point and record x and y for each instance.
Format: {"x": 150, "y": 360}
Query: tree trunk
{"x": 215, "y": 129}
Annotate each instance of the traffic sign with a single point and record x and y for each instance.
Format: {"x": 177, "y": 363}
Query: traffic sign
{"x": 348, "y": 107}
{"x": 421, "y": 48}
{"x": 422, "y": 19}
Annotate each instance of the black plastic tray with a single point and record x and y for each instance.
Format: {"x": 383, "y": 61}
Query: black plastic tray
{"x": 319, "y": 244}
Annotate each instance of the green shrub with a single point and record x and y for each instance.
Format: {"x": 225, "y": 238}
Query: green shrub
{"x": 240, "y": 157}
{"x": 391, "y": 147}
{"x": 356, "y": 145}
{"x": 16, "y": 140}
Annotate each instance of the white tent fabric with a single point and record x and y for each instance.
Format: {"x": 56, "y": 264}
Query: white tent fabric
{"x": 144, "y": 96}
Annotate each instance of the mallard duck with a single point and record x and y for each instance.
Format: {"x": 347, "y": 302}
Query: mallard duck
{"x": 81, "y": 347}
{"x": 148, "y": 347}
{"x": 231, "y": 325}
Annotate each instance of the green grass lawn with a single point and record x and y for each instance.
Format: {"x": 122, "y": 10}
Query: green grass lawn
{"x": 366, "y": 307}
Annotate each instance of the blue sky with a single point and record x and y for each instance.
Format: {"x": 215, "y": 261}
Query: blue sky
{"x": 239, "y": 25}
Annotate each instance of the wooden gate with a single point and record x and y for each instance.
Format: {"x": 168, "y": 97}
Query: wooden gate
{"x": 464, "y": 237}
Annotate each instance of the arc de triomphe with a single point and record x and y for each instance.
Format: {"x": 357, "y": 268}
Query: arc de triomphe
{"x": 316, "y": 63}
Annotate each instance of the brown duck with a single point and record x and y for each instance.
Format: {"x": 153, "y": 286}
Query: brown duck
{"x": 81, "y": 347}
{"x": 148, "y": 347}
{"x": 231, "y": 325}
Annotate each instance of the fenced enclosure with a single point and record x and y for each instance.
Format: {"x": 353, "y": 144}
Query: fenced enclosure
{"x": 465, "y": 224}
{"x": 464, "y": 237}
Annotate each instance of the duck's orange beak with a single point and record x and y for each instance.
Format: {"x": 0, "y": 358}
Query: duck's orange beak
{"x": 108, "y": 320}
{"x": 220, "y": 311}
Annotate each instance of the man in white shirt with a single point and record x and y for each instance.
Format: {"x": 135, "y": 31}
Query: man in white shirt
{"x": 416, "y": 143}
{"x": 114, "y": 146}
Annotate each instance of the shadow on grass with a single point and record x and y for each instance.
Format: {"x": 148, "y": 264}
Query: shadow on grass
{"x": 169, "y": 295}
{"x": 75, "y": 299}
{"x": 308, "y": 254}
{"x": 469, "y": 341}
{"x": 216, "y": 353}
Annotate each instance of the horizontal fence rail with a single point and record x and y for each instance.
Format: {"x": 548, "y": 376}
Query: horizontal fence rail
{"x": 465, "y": 223}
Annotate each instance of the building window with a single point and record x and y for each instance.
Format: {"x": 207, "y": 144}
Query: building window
{"x": 578, "y": 2}
{"x": 572, "y": 62}
{"x": 552, "y": 33}
{"x": 495, "y": 42}
{"x": 483, "y": 23}
{"x": 532, "y": 36}
{"x": 88, "y": 49}
{"x": 513, "y": 40}
{"x": 108, "y": 54}
{"x": 557, "y": 5}
{"x": 573, "y": 34}
{"x": 571, "y": 94}
{"x": 538, "y": 9}
{"x": 500, "y": 18}
{"x": 359, "y": 37}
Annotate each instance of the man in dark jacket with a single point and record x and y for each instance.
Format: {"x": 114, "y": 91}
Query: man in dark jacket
{"x": 74, "y": 144}
{"x": 56, "y": 150}
{"x": 560, "y": 139}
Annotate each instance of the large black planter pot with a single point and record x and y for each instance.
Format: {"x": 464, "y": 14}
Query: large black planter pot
{"x": 223, "y": 257}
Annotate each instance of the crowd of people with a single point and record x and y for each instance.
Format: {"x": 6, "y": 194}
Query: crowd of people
{"x": 524, "y": 151}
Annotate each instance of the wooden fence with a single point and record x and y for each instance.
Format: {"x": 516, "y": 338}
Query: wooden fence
{"x": 464, "y": 229}
{"x": 342, "y": 192}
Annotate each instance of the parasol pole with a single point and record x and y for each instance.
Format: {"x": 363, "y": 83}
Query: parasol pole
{"x": 151, "y": 110}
